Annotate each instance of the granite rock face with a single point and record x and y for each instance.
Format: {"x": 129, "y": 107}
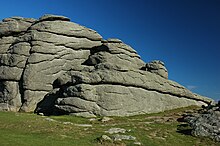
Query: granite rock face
{"x": 206, "y": 123}
{"x": 55, "y": 66}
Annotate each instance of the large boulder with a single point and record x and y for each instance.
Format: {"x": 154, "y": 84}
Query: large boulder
{"x": 158, "y": 68}
{"x": 55, "y": 66}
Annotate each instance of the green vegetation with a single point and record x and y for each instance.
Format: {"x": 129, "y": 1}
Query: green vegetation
{"x": 23, "y": 129}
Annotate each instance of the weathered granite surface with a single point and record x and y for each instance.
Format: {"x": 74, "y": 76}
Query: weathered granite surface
{"x": 55, "y": 66}
{"x": 205, "y": 123}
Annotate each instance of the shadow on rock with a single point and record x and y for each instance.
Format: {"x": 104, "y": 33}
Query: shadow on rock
{"x": 46, "y": 106}
{"x": 184, "y": 129}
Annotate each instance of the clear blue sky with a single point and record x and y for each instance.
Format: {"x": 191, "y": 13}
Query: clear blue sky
{"x": 185, "y": 34}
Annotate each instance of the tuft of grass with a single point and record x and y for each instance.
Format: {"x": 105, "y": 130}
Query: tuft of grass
{"x": 161, "y": 129}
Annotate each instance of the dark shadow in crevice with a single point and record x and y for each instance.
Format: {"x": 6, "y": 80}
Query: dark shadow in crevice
{"x": 184, "y": 129}
{"x": 94, "y": 61}
{"x": 21, "y": 90}
{"x": 102, "y": 48}
{"x": 144, "y": 68}
{"x": 47, "y": 105}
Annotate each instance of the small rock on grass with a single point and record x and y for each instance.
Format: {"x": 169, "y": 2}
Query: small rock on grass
{"x": 119, "y": 137}
{"x": 41, "y": 114}
{"x": 137, "y": 143}
{"x": 116, "y": 130}
{"x": 67, "y": 123}
{"x": 92, "y": 119}
{"x": 83, "y": 125}
{"x": 105, "y": 119}
{"x": 105, "y": 138}
{"x": 50, "y": 120}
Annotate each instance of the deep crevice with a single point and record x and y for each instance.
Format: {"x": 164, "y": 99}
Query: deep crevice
{"x": 21, "y": 88}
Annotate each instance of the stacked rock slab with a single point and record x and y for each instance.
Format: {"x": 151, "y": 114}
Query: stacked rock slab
{"x": 55, "y": 66}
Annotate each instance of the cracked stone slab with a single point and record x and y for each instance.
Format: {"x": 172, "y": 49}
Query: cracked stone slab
{"x": 67, "y": 29}
{"x": 13, "y": 26}
{"x": 10, "y": 73}
{"x": 71, "y": 42}
{"x": 117, "y": 100}
{"x": 10, "y": 96}
{"x": 141, "y": 79}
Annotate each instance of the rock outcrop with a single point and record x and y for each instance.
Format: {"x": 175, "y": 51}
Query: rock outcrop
{"x": 55, "y": 66}
{"x": 205, "y": 123}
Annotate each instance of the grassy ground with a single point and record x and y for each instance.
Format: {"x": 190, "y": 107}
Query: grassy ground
{"x": 22, "y": 129}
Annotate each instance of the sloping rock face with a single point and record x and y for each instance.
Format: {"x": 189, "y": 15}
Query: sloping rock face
{"x": 55, "y": 66}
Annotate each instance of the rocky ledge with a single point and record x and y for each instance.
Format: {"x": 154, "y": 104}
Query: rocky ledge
{"x": 54, "y": 66}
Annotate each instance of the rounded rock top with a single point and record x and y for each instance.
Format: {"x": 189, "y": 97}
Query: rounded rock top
{"x": 49, "y": 17}
{"x": 158, "y": 62}
{"x": 114, "y": 40}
